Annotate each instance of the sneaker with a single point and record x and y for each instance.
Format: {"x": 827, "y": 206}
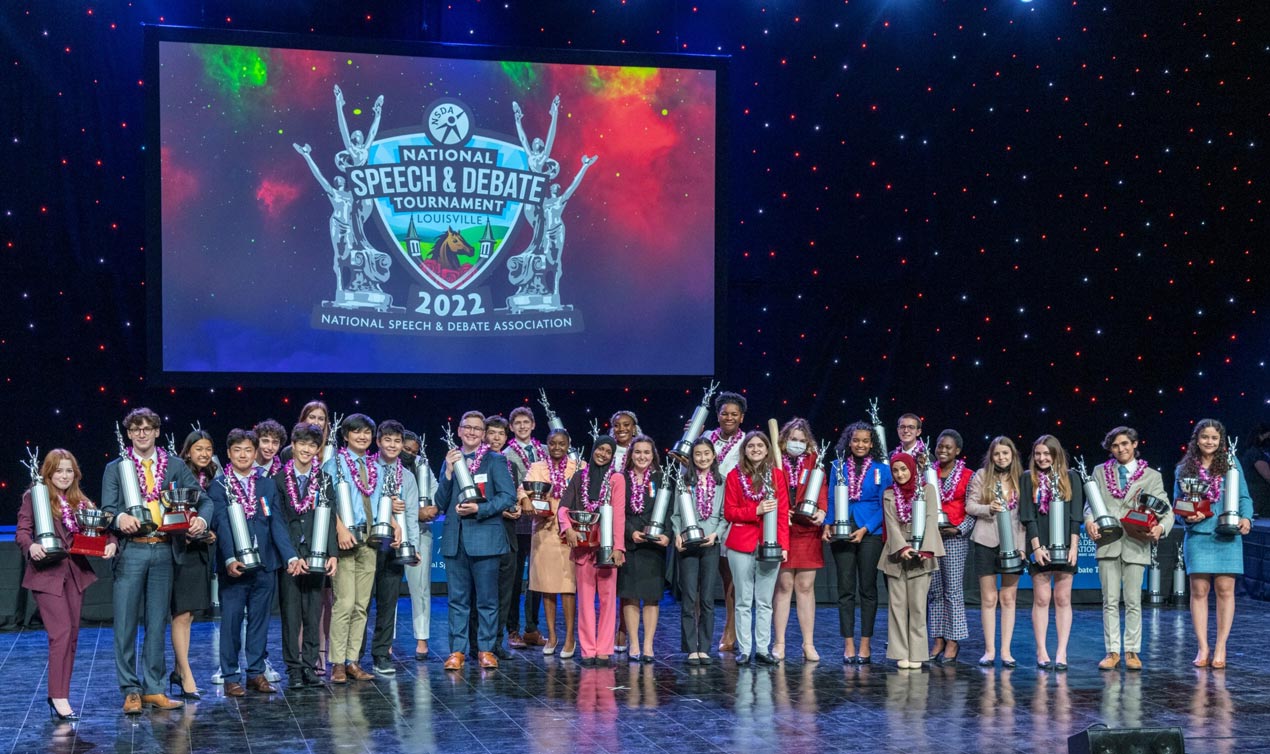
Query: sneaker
{"x": 385, "y": 667}
{"x": 270, "y": 674}
{"x": 218, "y": 679}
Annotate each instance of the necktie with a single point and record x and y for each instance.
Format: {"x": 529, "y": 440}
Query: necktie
{"x": 155, "y": 512}
{"x": 1124, "y": 475}
{"x": 304, "y": 484}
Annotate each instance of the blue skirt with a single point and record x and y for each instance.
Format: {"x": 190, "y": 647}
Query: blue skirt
{"x": 1210, "y": 553}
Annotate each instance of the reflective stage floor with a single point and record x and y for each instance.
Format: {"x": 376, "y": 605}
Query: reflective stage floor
{"x": 545, "y": 704}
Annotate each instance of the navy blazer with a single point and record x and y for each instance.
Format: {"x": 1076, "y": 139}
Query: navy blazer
{"x": 482, "y": 534}
{"x": 300, "y": 525}
{"x": 177, "y": 473}
{"x": 268, "y": 526}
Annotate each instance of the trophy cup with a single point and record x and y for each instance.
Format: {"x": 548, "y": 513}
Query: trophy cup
{"x": 539, "y": 496}
{"x": 1139, "y": 521}
{"x": 1059, "y": 548}
{"x": 130, "y": 487}
{"x": 810, "y": 501}
{"x": 1109, "y": 529}
{"x": 344, "y": 504}
{"x": 91, "y": 538}
{"x": 1228, "y": 519}
{"x": 683, "y": 449}
{"x": 876, "y": 420}
{"x": 841, "y": 528}
{"x": 1194, "y": 500}
{"x": 1154, "y": 596}
{"x": 405, "y": 553}
{"x": 180, "y": 504}
{"x": 245, "y": 549}
{"x": 381, "y": 529}
{"x": 584, "y": 522}
{"x": 320, "y": 533}
{"x": 769, "y": 550}
{"x": 42, "y": 511}
{"x": 919, "y": 520}
{"x": 661, "y": 505}
{"x": 691, "y": 535}
{"x": 468, "y": 491}
{"x": 554, "y": 423}
{"x": 1179, "y": 577}
{"x": 1009, "y": 556}
{"x": 332, "y": 432}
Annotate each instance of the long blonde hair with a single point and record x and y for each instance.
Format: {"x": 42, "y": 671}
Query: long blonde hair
{"x": 1059, "y": 465}
{"x": 74, "y": 495}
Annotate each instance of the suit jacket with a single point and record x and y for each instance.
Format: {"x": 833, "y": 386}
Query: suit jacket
{"x": 985, "y": 530}
{"x": 747, "y": 527}
{"x": 300, "y": 525}
{"x": 898, "y": 533}
{"x": 267, "y": 526}
{"x": 44, "y": 576}
{"x": 1129, "y": 549}
{"x": 481, "y": 534}
{"x": 177, "y": 473}
{"x": 1037, "y": 524}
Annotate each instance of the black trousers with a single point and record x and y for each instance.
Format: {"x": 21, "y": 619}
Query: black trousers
{"x": 533, "y": 600}
{"x": 857, "y": 571}
{"x": 300, "y": 602}
{"x": 386, "y": 592}
{"x": 698, "y": 577}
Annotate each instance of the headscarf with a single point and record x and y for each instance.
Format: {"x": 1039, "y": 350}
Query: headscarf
{"x": 909, "y": 488}
{"x": 595, "y": 478}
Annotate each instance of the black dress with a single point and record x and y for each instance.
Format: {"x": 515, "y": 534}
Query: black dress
{"x": 643, "y": 576}
{"x": 192, "y": 578}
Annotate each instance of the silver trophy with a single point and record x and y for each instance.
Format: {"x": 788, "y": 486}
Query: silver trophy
{"x": 769, "y": 550}
{"x": 683, "y": 448}
{"x": 1194, "y": 500}
{"x": 405, "y": 553}
{"x": 1228, "y": 519}
{"x": 344, "y": 504}
{"x": 876, "y": 420}
{"x": 1009, "y": 556}
{"x": 1179, "y": 577}
{"x": 468, "y": 491}
{"x": 810, "y": 501}
{"x": 130, "y": 487}
{"x": 245, "y": 548}
{"x": 919, "y": 520}
{"x": 931, "y": 477}
{"x": 554, "y": 423}
{"x": 691, "y": 535}
{"x": 604, "y": 556}
{"x": 841, "y": 528}
{"x": 91, "y": 539}
{"x": 1059, "y": 547}
{"x": 320, "y": 533}
{"x": 332, "y": 433}
{"x": 1109, "y": 528}
{"x": 424, "y": 478}
{"x": 661, "y": 505}
{"x": 42, "y": 511}
{"x": 381, "y": 529}
{"x": 1154, "y": 596}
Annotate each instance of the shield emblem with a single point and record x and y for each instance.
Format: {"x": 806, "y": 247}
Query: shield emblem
{"x": 447, "y": 244}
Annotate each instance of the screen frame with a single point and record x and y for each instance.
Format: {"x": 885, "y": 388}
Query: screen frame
{"x": 157, "y": 33}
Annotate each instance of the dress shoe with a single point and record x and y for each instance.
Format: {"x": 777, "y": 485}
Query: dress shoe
{"x": 705, "y": 659}
{"x": 766, "y": 658}
{"x": 501, "y": 652}
{"x": 384, "y": 666}
{"x": 234, "y": 688}
{"x": 354, "y": 671}
{"x": 863, "y": 660}
{"x": 588, "y": 662}
{"x": 533, "y": 639}
{"x": 261, "y": 685}
{"x": 160, "y": 701}
{"x": 271, "y": 675}
{"x": 454, "y": 661}
{"x": 567, "y": 653}
{"x": 489, "y": 661}
{"x": 1218, "y": 664}
{"x": 69, "y": 717}
{"x": 310, "y": 678}
{"x": 338, "y": 673}
{"x": 132, "y": 704}
{"x": 1110, "y": 661}
{"x": 1132, "y": 661}
{"x": 515, "y": 641}
{"x": 743, "y": 659}
{"x": 727, "y": 646}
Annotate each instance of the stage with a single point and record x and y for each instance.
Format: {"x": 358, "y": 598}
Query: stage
{"x": 545, "y": 704}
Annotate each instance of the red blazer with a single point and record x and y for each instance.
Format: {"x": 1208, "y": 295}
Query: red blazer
{"x": 51, "y": 578}
{"x": 797, "y": 529}
{"x": 738, "y": 510}
{"x": 956, "y": 506}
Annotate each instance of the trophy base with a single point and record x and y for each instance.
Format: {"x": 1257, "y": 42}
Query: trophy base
{"x": 654, "y": 530}
{"x": 405, "y": 555}
{"x": 1189, "y": 508}
{"x": 769, "y": 552}
{"x": 380, "y": 533}
{"x": 83, "y": 544}
{"x": 1109, "y": 530}
{"x": 1010, "y": 562}
{"x": 1059, "y": 556}
{"x": 175, "y": 521}
{"x": 692, "y": 536}
{"x": 53, "y": 549}
{"x": 1228, "y": 524}
{"x": 316, "y": 563}
{"x": 250, "y": 560}
{"x": 1138, "y": 523}
{"x": 682, "y": 453}
{"x": 542, "y": 509}
{"x": 840, "y": 531}
{"x": 804, "y": 512}
{"x": 604, "y": 558}
{"x": 1155, "y": 598}
{"x": 471, "y": 495}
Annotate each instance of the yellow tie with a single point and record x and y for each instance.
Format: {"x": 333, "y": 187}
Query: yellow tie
{"x": 156, "y": 511}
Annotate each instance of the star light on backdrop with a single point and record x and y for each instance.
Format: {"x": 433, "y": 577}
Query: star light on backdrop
{"x": 1014, "y": 218}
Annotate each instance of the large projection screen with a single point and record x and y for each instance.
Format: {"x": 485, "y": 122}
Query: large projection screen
{"x": 370, "y": 213}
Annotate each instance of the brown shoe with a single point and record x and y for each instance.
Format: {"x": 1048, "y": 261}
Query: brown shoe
{"x": 337, "y": 674}
{"x": 489, "y": 661}
{"x": 1110, "y": 661}
{"x": 515, "y": 641}
{"x": 454, "y": 661}
{"x": 533, "y": 639}
{"x": 260, "y": 684}
{"x": 1132, "y": 661}
{"x": 355, "y": 672}
{"x": 132, "y": 704}
{"x": 160, "y": 701}
{"x": 235, "y": 689}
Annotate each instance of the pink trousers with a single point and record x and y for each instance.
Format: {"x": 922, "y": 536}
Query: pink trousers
{"x": 595, "y": 582}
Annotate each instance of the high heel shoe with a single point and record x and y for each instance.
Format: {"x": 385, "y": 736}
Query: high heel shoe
{"x": 810, "y": 654}
{"x": 67, "y": 718}
{"x": 175, "y": 680}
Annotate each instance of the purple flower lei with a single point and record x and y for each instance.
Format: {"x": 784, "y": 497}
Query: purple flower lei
{"x": 903, "y": 505}
{"x": 704, "y": 493}
{"x": 293, "y": 490}
{"x": 855, "y": 482}
{"x": 639, "y": 489}
{"x": 556, "y": 472}
{"x": 160, "y": 468}
{"x": 372, "y": 472}
{"x": 246, "y": 497}
{"x": 605, "y": 488}
{"x": 1113, "y": 481}
{"x": 1214, "y": 484}
{"x": 949, "y": 484}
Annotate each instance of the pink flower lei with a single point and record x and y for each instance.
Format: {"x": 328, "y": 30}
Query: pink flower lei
{"x": 293, "y": 490}
{"x": 524, "y": 456}
{"x": 1213, "y": 494}
{"x": 556, "y": 472}
{"x": 474, "y": 462}
{"x": 1010, "y": 502}
{"x": 274, "y": 465}
{"x": 704, "y": 493}
{"x": 372, "y": 472}
{"x": 855, "y": 482}
{"x": 919, "y": 450}
{"x": 246, "y": 497}
{"x": 949, "y": 484}
{"x": 69, "y": 521}
{"x": 1113, "y": 481}
{"x": 904, "y": 505}
{"x": 160, "y": 468}
{"x": 722, "y": 452}
{"x": 748, "y": 487}
{"x": 1046, "y": 484}
{"x": 586, "y": 488}
{"x": 639, "y": 489}
{"x": 796, "y": 468}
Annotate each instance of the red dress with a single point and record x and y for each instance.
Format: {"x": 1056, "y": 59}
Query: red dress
{"x": 805, "y": 546}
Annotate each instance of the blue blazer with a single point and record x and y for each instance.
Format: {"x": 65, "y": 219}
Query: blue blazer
{"x": 482, "y": 534}
{"x": 867, "y": 511}
{"x": 269, "y": 528}
{"x": 177, "y": 473}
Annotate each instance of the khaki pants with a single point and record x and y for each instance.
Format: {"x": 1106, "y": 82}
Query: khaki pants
{"x": 1119, "y": 577}
{"x": 353, "y": 583}
{"x": 906, "y": 618}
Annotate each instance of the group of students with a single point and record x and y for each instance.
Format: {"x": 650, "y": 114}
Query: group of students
{"x": 735, "y": 478}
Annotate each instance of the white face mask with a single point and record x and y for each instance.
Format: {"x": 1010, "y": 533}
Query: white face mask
{"x": 795, "y": 447}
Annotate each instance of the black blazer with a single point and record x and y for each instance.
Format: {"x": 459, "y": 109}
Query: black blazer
{"x": 300, "y": 525}
{"x": 1037, "y": 524}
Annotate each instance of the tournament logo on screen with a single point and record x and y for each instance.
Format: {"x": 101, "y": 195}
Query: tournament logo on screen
{"x": 449, "y": 195}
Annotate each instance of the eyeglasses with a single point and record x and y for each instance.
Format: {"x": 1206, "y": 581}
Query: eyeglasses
{"x": 909, "y": 426}
{"x": 471, "y": 428}
{"x": 143, "y": 430}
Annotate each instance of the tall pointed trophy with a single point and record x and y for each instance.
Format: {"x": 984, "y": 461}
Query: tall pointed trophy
{"x": 245, "y": 548}
{"x": 320, "y": 533}
{"x": 841, "y": 529}
{"x": 931, "y": 477}
{"x": 42, "y": 511}
{"x": 876, "y": 420}
{"x": 692, "y": 534}
{"x": 130, "y": 488}
{"x": 381, "y": 529}
{"x": 468, "y": 491}
{"x": 809, "y": 503}
{"x": 332, "y": 433}
{"x": 1009, "y": 556}
{"x": 344, "y": 504}
{"x": 683, "y": 449}
{"x": 1228, "y": 519}
{"x": 1109, "y": 529}
{"x": 661, "y": 504}
{"x": 554, "y": 423}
